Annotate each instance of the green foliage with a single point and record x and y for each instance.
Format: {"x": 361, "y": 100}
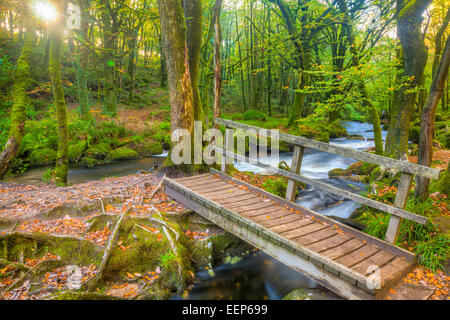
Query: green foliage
{"x": 254, "y": 115}
{"x": 434, "y": 252}
{"x": 41, "y": 157}
{"x": 75, "y": 150}
{"x": 428, "y": 243}
{"x": 123, "y": 153}
{"x": 276, "y": 186}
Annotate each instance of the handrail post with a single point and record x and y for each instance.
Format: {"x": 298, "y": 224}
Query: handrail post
{"x": 292, "y": 185}
{"x": 228, "y": 146}
{"x": 401, "y": 199}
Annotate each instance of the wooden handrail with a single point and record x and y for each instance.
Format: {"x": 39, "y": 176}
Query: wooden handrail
{"x": 402, "y": 166}
{"x": 331, "y": 189}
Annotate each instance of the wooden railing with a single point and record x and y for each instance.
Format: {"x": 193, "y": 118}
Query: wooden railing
{"x": 407, "y": 169}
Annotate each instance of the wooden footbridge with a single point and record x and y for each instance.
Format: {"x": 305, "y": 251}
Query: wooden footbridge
{"x": 347, "y": 261}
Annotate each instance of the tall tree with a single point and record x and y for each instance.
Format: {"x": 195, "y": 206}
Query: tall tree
{"x": 409, "y": 19}
{"x": 217, "y": 63}
{"x": 62, "y": 158}
{"x": 19, "y": 95}
{"x": 360, "y": 82}
{"x": 193, "y": 14}
{"x": 427, "y": 122}
{"x": 173, "y": 30}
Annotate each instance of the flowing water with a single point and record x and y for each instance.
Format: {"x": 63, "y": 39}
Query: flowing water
{"x": 256, "y": 275}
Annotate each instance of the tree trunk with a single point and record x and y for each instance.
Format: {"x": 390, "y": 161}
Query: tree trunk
{"x": 62, "y": 159}
{"x": 361, "y": 85}
{"x": 176, "y": 51}
{"x": 19, "y": 94}
{"x": 109, "y": 44}
{"x": 415, "y": 58}
{"x": 427, "y": 121}
{"x": 193, "y": 13}
{"x": 217, "y": 64}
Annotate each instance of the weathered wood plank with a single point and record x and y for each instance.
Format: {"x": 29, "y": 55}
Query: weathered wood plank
{"x": 190, "y": 178}
{"x": 403, "y": 166}
{"x": 228, "y": 145}
{"x": 328, "y": 243}
{"x": 238, "y": 198}
{"x": 276, "y": 215}
{"x": 285, "y": 227}
{"x": 296, "y": 164}
{"x": 213, "y": 189}
{"x": 339, "y": 192}
{"x": 379, "y": 259}
{"x": 207, "y": 186}
{"x": 262, "y": 211}
{"x": 357, "y": 255}
{"x": 292, "y": 234}
{"x": 251, "y": 207}
{"x": 343, "y": 249}
{"x": 401, "y": 199}
{"x": 315, "y": 237}
{"x": 288, "y": 218}
{"x": 394, "y": 270}
{"x": 247, "y": 202}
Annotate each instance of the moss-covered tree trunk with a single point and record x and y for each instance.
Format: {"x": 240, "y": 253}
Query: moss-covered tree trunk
{"x": 361, "y": 85}
{"x": 409, "y": 20}
{"x": 62, "y": 159}
{"x": 427, "y": 121}
{"x": 217, "y": 62}
{"x": 173, "y": 30}
{"x": 83, "y": 92}
{"x": 132, "y": 42}
{"x": 193, "y": 14}
{"x": 109, "y": 62}
{"x": 19, "y": 95}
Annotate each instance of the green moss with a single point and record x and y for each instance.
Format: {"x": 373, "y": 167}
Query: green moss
{"x": 443, "y": 184}
{"x": 276, "y": 186}
{"x": 414, "y": 133}
{"x": 90, "y": 162}
{"x": 339, "y": 173}
{"x": 147, "y": 148}
{"x": 99, "y": 151}
{"x": 42, "y": 157}
{"x": 320, "y": 130}
{"x": 75, "y": 295}
{"x": 123, "y": 153}
{"x": 75, "y": 151}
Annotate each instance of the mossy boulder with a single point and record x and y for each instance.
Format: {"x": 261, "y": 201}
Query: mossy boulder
{"x": 42, "y": 157}
{"x": 76, "y": 150}
{"x": 149, "y": 148}
{"x": 90, "y": 162}
{"x": 99, "y": 151}
{"x": 320, "y": 130}
{"x": 335, "y": 173}
{"x": 123, "y": 153}
{"x": 362, "y": 168}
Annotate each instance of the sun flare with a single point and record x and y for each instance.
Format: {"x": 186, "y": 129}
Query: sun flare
{"x": 45, "y": 11}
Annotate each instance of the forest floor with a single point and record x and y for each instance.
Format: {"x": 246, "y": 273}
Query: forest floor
{"x": 58, "y": 212}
